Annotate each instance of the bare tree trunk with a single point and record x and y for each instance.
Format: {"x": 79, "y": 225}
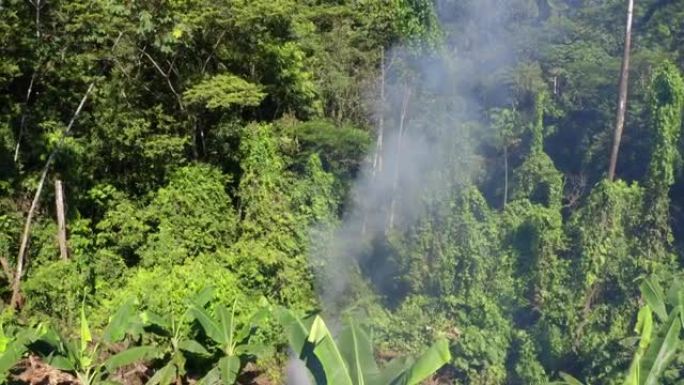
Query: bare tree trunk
{"x": 38, "y": 5}
{"x": 622, "y": 98}
{"x": 377, "y": 159}
{"x": 61, "y": 220}
{"x": 395, "y": 182}
{"x": 505, "y": 194}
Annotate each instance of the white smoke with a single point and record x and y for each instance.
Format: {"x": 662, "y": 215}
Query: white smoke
{"x": 433, "y": 117}
{"x": 297, "y": 373}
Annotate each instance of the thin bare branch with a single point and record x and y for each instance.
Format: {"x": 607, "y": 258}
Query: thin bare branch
{"x": 22, "y": 122}
{"x": 165, "y": 75}
{"x": 213, "y": 50}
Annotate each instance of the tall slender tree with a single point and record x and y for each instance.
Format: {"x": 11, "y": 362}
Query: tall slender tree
{"x": 622, "y": 97}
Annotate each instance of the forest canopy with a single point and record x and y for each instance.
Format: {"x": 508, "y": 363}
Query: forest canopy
{"x": 490, "y": 189}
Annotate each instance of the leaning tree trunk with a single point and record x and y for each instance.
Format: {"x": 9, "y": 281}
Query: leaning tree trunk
{"x": 16, "y": 283}
{"x": 23, "y": 247}
{"x": 622, "y": 98}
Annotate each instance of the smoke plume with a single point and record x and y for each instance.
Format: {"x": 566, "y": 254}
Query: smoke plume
{"x": 431, "y": 117}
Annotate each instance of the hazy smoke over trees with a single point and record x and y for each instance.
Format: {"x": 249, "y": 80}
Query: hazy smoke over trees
{"x": 432, "y": 106}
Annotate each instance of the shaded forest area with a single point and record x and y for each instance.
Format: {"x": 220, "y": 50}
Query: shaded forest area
{"x": 187, "y": 178}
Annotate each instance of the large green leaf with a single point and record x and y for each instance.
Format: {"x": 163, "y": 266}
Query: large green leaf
{"x": 202, "y": 298}
{"x": 11, "y": 356}
{"x": 71, "y": 349}
{"x": 644, "y": 327}
{"x": 661, "y": 351}
{"x": 229, "y": 367}
{"x": 193, "y": 346}
{"x": 326, "y": 350}
{"x": 252, "y": 349}
{"x": 163, "y": 376}
{"x": 653, "y": 294}
{"x": 118, "y": 325}
{"x": 4, "y": 339}
{"x": 212, "y": 377}
{"x": 130, "y": 356}
{"x": 210, "y": 326}
{"x": 62, "y": 363}
{"x": 632, "y": 377}
{"x": 52, "y": 338}
{"x": 152, "y": 319}
{"x": 297, "y": 331}
{"x": 675, "y": 293}
{"x": 429, "y": 362}
{"x": 357, "y": 351}
{"x": 86, "y": 336}
{"x": 226, "y": 324}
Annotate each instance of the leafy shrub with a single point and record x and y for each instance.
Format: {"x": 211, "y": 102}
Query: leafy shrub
{"x": 55, "y": 289}
{"x": 164, "y": 289}
{"x": 192, "y": 215}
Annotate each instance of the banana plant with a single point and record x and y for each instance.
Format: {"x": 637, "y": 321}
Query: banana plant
{"x": 174, "y": 346}
{"x": 228, "y": 340}
{"x": 350, "y": 360}
{"x": 658, "y": 345}
{"x": 171, "y": 338}
{"x": 14, "y": 345}
{"x": 232, "y": 340}
{"x": 81, "y": 356}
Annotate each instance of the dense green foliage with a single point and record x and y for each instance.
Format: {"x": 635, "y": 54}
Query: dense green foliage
{"x": 435, "y": 169}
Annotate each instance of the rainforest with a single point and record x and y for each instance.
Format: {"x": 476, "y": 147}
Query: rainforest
{"x": 341, "y": 192}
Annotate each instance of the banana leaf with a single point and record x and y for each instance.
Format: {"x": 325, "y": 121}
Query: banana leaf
{"x": 226, "y": 325}
{"x": 653, "y": 294}
{"x": 119, "y": 323}
{"x": 193, "y": 346}
{"x": 662, "y": 350}
{"x": 229, "y": 368}
{"x": 357, "y": 351}
{"x": 429, "y": 362}
{"x": 163, "y": 376}
{"x": 212, "y": 328}
{"x": 130, "y": 356}
{"x": 326, "y": 350}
